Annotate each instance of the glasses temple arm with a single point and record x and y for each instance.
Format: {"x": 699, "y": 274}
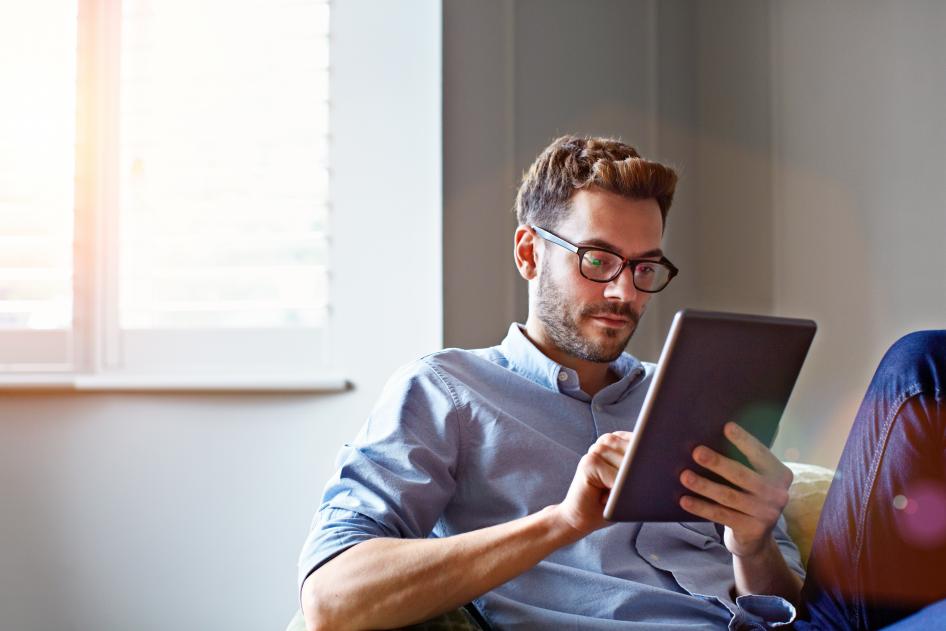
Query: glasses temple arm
{"x": 548, "y": 236}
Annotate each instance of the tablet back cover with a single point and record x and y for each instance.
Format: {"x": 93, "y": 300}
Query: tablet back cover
{"x": 720, "y": 367}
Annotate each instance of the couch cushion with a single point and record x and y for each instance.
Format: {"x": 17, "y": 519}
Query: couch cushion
{"x": 806, "y": 497}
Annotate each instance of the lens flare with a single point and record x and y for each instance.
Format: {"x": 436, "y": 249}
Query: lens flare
{"x": 920, "y": 515}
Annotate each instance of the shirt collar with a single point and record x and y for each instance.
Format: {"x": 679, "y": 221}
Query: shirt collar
{"x": 527, "y": 360}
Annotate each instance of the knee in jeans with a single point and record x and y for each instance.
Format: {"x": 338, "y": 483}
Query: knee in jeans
{"x": 923, "y": 351}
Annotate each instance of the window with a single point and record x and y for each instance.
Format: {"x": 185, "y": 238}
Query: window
{"x": 164, "y": 188}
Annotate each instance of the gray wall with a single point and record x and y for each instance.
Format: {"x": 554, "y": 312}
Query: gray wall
{"x": 517, "y": 74}
{"x": 682, "y": 81}
{"x": 859, "y": 144}
{"x": 810, "y": 142}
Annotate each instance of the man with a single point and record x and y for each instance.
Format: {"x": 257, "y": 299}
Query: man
{"x": 481, "y": 475}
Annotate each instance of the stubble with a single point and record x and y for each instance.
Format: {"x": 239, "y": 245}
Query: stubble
{"x": 562, "y": 326}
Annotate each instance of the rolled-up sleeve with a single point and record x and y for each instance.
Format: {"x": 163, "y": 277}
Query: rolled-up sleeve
{"x": 398, "y": 475}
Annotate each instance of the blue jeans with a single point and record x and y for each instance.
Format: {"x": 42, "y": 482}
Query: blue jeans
{"x": 879, "y": 554}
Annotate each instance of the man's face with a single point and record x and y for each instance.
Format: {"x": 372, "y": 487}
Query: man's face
{"x": 588, "y": 320}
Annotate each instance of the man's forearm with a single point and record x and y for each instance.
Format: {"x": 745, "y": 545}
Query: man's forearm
{"x": 384, "y": 583}
{"x": 766, "y": 573}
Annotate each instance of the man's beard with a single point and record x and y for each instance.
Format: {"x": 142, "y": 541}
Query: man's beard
{"x": 552, "y": 310}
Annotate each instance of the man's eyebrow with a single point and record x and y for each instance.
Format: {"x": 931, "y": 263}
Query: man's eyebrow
{"x": 600, "y": 243}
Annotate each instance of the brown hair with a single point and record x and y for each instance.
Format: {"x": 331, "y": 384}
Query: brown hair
{"x": 573, "y": 163}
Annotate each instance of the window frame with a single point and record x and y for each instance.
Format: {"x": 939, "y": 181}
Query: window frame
{"x": 96, "y": 354}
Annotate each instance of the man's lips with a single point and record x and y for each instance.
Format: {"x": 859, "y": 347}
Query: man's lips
{"x": 611, "y": 320}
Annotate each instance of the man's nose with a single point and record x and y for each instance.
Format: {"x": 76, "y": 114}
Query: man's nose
{"x": 622, "y": 287}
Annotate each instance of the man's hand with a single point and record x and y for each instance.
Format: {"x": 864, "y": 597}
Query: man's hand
{"x": 584, "y": 504}
{"x": 749, "y": 512}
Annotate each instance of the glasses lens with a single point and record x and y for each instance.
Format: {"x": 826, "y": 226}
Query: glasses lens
{"x": 600, "y": 265}
{"x": 651, "y": 276}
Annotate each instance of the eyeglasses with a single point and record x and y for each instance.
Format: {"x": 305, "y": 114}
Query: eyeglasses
{"x": 603, "y": 266}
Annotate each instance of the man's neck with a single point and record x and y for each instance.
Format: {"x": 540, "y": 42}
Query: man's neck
{"x": 593, "y": 376}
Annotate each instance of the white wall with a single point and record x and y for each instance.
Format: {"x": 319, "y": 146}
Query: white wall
{"x": 157, "y": 512}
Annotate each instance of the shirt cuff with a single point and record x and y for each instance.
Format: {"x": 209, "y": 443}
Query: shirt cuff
{"x": 336, "y": 531}
{"x": 756, "y": 612}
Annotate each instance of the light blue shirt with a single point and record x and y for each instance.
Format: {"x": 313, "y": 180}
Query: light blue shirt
{"x": 464, "y": 439}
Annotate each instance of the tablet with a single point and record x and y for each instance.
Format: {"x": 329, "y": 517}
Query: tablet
{"x": 714, "y": 368}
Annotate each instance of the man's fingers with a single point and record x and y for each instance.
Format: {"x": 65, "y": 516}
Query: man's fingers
{"x": 604, "y": 458}
{"x": 610, "y": 448}
{"x": 607, "y": 475}
{"x": 605, "y": 462}
{"x": 758, "y": 455}
{"x": 752, "y": 509}
{"x": 617, "y": 440}
{"x": 714, "y": 512}
{"x": 597, "y": 471}
{"x": 730, "y": 497}
{"x": 736, "y": 472}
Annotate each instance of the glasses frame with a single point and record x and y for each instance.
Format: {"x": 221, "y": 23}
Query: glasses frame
{"x": 626, "y": 262}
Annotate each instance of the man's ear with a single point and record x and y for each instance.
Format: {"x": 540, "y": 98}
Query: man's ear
{"x": 527, "y": 260}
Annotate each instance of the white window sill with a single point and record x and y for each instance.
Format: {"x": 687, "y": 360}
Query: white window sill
{"x": 175, "y": 383}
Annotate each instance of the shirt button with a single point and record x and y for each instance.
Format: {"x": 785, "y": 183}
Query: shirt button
{"x": 563, "y": 376}
{"x": 597, "y": 407}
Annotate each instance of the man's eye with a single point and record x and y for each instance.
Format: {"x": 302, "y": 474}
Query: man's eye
{"x": 596, "y": 262}
{"x": 646, "y": 269}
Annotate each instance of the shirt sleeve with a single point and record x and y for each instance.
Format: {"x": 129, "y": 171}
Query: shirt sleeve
{"x": 398, "y": 475}
{"x": 788, "y": 548}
